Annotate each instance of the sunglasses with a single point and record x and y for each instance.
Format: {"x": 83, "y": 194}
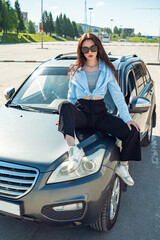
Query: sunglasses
{"x": 93, "y": 48}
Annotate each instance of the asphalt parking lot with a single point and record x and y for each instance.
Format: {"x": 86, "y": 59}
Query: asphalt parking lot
{"x": 139, "y": 215}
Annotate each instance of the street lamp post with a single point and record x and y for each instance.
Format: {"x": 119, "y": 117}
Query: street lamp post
{"x": 159, "y": 46}
{"x": 111, "y": 24}
{"x": 90, "y": 9}
{"x": 42, "y": 24}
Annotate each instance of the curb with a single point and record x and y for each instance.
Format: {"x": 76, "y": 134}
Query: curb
{"x": 27, "y": 61}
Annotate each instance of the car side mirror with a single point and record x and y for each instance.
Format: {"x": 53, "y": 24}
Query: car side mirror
{"x": 8, "y": 92}
{"x": 139, "y": 104}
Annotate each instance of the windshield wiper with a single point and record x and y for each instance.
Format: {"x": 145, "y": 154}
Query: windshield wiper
{"x": 23, "y": 107}
{"x": 33, "y": 109}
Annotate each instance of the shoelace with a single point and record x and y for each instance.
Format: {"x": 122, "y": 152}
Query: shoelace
{"x": 71, "y": 151}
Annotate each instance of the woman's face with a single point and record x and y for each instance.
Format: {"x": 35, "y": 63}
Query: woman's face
{"x": 91, "y": 55}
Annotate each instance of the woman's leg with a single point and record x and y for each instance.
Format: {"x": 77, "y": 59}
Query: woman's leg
{"x": 70, "y": 140}
{"x": 118, "y": 128}
{"x": 70, "y": 118}
{"x": 130, "y": 143}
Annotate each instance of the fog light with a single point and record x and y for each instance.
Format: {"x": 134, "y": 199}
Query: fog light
{"x": 68, "y": 207}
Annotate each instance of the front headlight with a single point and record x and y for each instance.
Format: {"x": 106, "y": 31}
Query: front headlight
{"x": 89, "y": 165}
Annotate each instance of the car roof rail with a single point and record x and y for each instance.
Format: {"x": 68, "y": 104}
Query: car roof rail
{"x": 66, "y": 56}
{"x": 124, "y": 58}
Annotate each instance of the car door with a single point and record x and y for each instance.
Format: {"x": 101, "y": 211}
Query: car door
{"x": 138, "y": 83}
{"x": 144, "y": 86}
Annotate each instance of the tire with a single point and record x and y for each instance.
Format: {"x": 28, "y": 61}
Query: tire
{"x": 148, "y": 136}
{"x": 110, "y": 210}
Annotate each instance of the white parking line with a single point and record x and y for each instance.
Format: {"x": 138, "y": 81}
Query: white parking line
{"x": 154, "y": 152}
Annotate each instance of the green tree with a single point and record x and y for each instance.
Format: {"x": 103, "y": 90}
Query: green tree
{"x": 31, "y": 27}
{"x": 70, "y": 28}
{"x": 21, "y": 25}
{"x": 115, "y": 30}
{"x": 13, "y": 19}
{"x": 5, "y": 16}
{"x": 50, "y": 23}
{"x": 27, "y": 27}
{"x": 80, "y": 29}
{"x": 9, "y": 18}
{"x": 108, "y": 30}
{"x": 61, "y": 22}
{"x": 64, "y": 25}
{"x": 1, "y": 5}
{"x": 122, "y": 34}
{"x": 58, "y": 27}
{"x": 139, "y": 34}
{"x": 75, "y": 30}
{"x": 45, "y": 19}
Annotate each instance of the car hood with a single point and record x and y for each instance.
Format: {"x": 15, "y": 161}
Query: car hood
{"x": 30, "y": 138}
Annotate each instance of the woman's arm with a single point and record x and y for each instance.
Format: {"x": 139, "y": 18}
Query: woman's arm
{"x": 71, "y": 93}
{"x": 118, "y": 98}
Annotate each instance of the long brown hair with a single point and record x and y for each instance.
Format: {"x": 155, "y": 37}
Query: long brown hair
{"x": 81, "y": 60}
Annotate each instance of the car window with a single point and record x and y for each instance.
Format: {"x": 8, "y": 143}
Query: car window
{"x": 131, "y": 86}
{"x": 43, "y": 87}
{"x": 139, "y": 76}
{"x": 146, "y": 75}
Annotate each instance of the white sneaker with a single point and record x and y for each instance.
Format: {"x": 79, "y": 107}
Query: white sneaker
{"x": 122, "y": 171}
{"x": 75, "y": 158}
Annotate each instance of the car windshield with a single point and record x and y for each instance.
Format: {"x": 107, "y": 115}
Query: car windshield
{"x": 44, "y": 89}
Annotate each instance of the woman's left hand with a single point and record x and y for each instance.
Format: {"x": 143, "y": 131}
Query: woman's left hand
{"x": 129, "y": 123}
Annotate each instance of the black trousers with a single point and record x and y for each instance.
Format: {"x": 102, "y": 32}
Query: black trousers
{"x": 93, "y": 114}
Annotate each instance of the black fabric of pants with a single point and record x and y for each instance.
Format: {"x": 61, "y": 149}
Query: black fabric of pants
{"x": 93, "y": 114}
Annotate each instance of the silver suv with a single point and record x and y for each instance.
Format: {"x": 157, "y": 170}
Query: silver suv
{"x": 34, "y": 181}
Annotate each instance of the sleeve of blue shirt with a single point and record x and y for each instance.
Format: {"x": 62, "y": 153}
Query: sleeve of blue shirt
{"x": 71, "y": 93}
{"x": 118, "y": 98}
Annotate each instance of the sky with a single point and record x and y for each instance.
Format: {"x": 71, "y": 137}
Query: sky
{"x": 142, "y": 15}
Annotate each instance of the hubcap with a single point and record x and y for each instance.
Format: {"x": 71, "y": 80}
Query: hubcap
{"x": 115, "y": 198}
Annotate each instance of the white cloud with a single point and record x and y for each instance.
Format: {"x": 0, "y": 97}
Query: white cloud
{"x": 99, "y": 4}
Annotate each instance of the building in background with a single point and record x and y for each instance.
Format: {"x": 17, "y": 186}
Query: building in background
{"x": 85, "y": 27}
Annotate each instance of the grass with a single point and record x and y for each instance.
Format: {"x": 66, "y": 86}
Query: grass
{"x": 142, "y": 39}
{"x": 37, "y": 38}
{"x": 13, "y": 38}
{"x": 136, "y": 39}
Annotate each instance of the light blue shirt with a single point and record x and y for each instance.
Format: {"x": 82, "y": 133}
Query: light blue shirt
{"x": 78, "y": 88}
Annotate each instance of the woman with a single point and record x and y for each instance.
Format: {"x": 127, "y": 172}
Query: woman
{"x": 90, "y": 78}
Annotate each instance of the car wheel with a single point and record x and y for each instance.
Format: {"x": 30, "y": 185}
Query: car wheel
{"x": 148, "y": 136}
{"x": 110, "y": 210}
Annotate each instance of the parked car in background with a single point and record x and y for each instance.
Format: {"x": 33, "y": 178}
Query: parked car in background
{"x": 34, "y": 181}
{"x": 122, "y": 40}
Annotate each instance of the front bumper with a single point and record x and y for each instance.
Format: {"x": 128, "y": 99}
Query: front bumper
{"x": 90, "y": 191}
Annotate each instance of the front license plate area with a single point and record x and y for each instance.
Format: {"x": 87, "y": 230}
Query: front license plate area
{"x": 10, "y": 208}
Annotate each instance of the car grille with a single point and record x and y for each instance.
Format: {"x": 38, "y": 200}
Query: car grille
{"x": 16, "y": 180}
